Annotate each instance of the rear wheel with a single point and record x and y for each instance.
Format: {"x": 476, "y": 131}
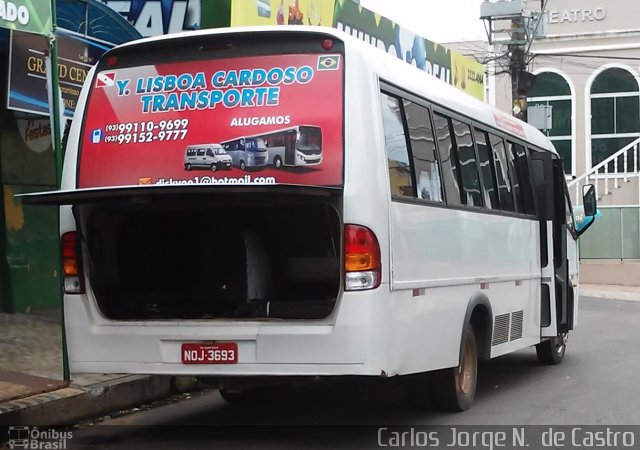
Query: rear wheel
{"x": 454, "y": 389}
{"x": 552, "y": 351}
{"x": 242, "y": 165}
{"x": 187, "y": 166}
{"x": 277, "y": 161}
{"x": 214, "y": 167}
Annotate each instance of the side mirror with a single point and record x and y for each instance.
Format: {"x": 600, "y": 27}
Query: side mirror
{"x": 588, "y": 210}
{"x": 589, "y": 200}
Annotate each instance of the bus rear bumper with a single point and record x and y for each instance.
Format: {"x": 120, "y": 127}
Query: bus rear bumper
{"x": 274, "y": 348}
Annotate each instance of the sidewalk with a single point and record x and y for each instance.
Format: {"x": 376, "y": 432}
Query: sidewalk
{"x": 610, "y": 291}
{"x": 32, "y": 391}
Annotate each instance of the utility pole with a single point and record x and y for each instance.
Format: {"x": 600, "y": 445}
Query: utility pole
{"x": 507, "y": 25}
{"x": 520, "y": 79}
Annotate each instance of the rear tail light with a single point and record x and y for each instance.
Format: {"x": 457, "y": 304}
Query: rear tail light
{"x": 71, "y": 269}
{"x": 362, "y": 265}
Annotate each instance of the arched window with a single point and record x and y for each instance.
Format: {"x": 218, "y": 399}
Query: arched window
{"x": 615, "y": 113}
{"x": 553, "y": 90}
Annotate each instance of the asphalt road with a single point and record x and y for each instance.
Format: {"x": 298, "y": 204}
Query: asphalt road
{"x": 595, "y": 385}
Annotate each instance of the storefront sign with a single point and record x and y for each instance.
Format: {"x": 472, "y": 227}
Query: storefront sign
{"x": 157, "y": 17}
{"x": 33, "y": 16}
{"x": 27, "y": 75}
{"x": 576, "y": 15}
{"x": 35, "y": 133}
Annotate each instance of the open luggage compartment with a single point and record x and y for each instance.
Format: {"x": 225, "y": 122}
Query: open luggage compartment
{"x": 212, "y": 256}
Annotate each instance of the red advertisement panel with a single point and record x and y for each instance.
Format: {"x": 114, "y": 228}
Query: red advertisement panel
{"x": 255, "y": 120}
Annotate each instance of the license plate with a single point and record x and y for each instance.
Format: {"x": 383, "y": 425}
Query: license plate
{"x": 218, "y": 353}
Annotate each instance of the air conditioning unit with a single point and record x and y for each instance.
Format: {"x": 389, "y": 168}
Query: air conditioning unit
{"x": 501, "y": 9}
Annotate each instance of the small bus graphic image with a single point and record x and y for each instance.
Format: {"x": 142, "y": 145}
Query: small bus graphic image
{"x": 206, "y": 156}
{"x": 247, "y": 152}
{"x": 294, "y": 146}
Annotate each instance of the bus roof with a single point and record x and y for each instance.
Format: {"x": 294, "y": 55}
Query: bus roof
{"x": 392, "y": 70}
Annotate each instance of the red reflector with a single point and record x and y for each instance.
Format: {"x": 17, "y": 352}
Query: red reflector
{"x": 327, "y": 44}
{"x": 112, "y": 60}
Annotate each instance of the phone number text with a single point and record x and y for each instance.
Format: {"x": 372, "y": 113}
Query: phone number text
{"x": 147, "y": 136}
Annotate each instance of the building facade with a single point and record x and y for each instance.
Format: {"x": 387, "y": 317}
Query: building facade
{"x": 586, "y": 58}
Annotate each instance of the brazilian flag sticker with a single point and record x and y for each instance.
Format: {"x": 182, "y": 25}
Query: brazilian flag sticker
{"x": 331, "y": 62}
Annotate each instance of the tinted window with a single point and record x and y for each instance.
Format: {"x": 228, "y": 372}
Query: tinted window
{"x": 423, "y": 150}
{"x": 505, "y": 196}
{"x": 468, "y": 167}
{"x": 447, "y": 158}
{"x": 485, "y": 162}
{"x": 209, "y": 152}
{"x": 395, "y": 141}
{"x": 522, "y": 166}
{"x": 200, "y": 152}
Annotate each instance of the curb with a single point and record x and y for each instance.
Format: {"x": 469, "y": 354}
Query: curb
{"x": 72, "y": 404}
{"x": 611, "y": 295}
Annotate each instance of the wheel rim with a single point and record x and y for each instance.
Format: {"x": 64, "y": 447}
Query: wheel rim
{"x": 213, "y": 167}
{"x": 465, "y": 378}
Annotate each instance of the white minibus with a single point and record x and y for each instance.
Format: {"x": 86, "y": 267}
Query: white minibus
{"x": 208, "y": 156}
{"x": 437, "y": 231}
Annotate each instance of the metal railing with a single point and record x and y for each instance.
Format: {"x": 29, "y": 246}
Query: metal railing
{"x": 602, "y": 174}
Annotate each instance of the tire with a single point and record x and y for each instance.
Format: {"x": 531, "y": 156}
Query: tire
{"x": 214, "y": 167}
{"x": 242, "y": 165}
{"x": 277, "y": 161}
{"x": 454, "y": 389}
{"x": 187, "y": 166}
{"x": 551, "y": 352}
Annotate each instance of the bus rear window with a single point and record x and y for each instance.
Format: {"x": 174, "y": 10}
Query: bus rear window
{"x": 144, "y": 112}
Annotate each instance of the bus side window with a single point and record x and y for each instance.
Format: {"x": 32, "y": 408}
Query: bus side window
{"x": 468, "y": 167}
{"x": 485, "y": 162}
{"x": 423, "y": 149}
{"x": 200, "y": 152}
{"x": 505, "y": 196}
{"x": 515, "y": 180}
{"x": 519, "y": 154}
{"x": 447, "y": 159}
{"x": 400, "y": 178}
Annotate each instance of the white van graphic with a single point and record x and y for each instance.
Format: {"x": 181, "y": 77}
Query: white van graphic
{"x": 207, "y": 156}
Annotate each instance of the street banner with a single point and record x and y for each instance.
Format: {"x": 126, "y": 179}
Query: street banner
{"x": 220, "y": 121}
{"x": 414, "y": 49}
{"x": 282, "y": 12}
{"x": 468, "y": 75}
{"x": 27, "y": 69}
{"x": 32, "y": 16}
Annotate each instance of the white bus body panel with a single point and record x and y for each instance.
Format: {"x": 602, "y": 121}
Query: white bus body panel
{"x": 386, "y": 331}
